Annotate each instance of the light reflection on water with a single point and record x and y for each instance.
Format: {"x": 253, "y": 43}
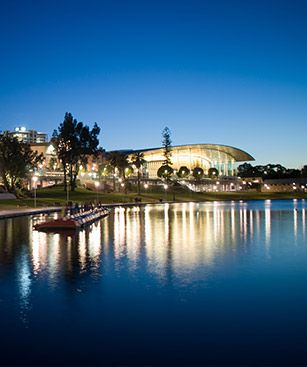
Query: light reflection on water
{"x": 181, "y": 236}
{"x": 182, "y": 246}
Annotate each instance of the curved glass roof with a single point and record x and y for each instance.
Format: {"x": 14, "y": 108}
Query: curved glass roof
{"x": 212, "y": 150}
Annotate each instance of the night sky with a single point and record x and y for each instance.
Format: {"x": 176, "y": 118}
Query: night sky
{"x": 221, "y": 71}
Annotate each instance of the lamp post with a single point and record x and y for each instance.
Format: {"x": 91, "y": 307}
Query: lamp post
{"x": 67, "y": 192}
{"x": 165, "y": 188}
{"x": 97, "y": 184}
{"x": 34, "y": 180}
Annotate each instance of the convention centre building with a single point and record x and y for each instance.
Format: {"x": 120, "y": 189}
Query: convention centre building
{"x": 222, "y": 157}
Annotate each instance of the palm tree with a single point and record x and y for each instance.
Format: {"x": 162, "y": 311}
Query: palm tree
{"x": 138, "y": 160}
{"x": 118, "y": 160}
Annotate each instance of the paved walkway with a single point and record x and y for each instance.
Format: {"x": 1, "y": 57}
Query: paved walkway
{"x": 11, "y": 213}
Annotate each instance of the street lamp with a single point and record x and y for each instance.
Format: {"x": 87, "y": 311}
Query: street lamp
{"x": 165, "y": 188}
{"x": 97, "y": 184}
{"x": 34, "y": 179}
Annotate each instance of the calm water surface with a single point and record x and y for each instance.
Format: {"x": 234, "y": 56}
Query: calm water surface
{"x": 210, "y": 283}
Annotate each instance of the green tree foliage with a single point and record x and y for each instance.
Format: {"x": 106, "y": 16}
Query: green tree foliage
{"x": 138, "y": 161}
{"x": 183, "y": 172}
{"x": 213, "y": 172}
{"x": 74, "y": 143}
{"x": 16, "y": 159}
{"x": 166, "y": 144}
{"x": 198, "y": 173}
{"x": 165, "y": 172}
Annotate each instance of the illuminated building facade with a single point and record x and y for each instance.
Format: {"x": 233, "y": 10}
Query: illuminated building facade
{"x": 205, "y": 156}
{"x": 28, "y": 136}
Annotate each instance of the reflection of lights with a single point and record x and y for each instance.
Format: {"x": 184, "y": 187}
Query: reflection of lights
{"x": 133, "y": 237}
{"x": 119, "y": 232}
{"x": 82, "y": 250}
{"x": 24, "y": 276}
{"x": 54, "y": 254}
{"x": 267, "y": 216}
{"x": 94, "y": 243}
{"x": 165, "y": 186}
{"x": 39, "y": 250}
{"x": 146, "y": 186}
{"x": 295, "y": 222}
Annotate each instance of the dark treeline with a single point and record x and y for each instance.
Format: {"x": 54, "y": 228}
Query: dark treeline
{"x": 270, "y": 171}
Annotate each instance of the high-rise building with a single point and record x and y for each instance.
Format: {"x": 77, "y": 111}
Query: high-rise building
{"x": 28, "y": 136}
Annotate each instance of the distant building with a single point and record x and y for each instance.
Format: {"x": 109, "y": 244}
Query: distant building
{"x": 28, "y": 136}
{"x": 205, "y": 156}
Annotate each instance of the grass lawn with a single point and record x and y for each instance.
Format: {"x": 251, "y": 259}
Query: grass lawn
{"x": 57, "y": 196}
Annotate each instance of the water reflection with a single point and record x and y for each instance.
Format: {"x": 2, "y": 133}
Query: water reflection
{"x": 164, "y": 241}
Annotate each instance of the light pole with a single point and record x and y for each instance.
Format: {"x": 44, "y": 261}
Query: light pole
{"x": 165, "y": 188}
{"x": 97, "y": 184}
{"x": 67, "y": 191}
{"x": 34, "y": 179}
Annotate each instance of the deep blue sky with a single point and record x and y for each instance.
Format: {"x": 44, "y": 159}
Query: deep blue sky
{"x": 221, "y": 71}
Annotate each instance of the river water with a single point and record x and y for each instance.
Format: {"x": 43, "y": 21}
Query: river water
{"x": 210, "y": 283}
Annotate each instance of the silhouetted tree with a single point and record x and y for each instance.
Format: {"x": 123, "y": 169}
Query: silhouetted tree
{"x": 74, "y": 143}
{"x": 268, "y": 171}
{"x": 138, "y": 161}
{"x": 183, "y": 172}
{"x": 118, "y": 160}
{"x": 213, "y": 172}
{"x": 197, "y": 173}
{"x": 16, "y": 159}
{"x": 166, "y": 143}
{"x": 165, "y": 172}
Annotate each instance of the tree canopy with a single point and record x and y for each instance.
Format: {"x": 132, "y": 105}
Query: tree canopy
{"x": 183, "y": 172}
{"x": 197, "y": 173}
{"x": 16, "y": 160}
{"x": 138, "y": 161}
{"x": 165, "y": 172}
{"x": 269, "y": 171}
{"x": 167, "y": 143}
{"x": 74, "y": 143}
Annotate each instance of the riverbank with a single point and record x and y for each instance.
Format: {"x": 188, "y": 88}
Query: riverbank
{"x": 53, "y": 199}
{"x": 12, "y": 213}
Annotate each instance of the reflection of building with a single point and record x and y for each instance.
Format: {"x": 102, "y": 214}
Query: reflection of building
{"x": 206, "y": 156}
{"x": 28, "y": 136}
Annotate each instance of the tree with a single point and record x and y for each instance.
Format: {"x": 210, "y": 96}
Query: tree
{"x": 197, "y": 173}
{"x": 245, "y": 170}
{"x": 118, "y": 160}
{"x": 16, "y": 159}
{"x": 183, "y": 172}
{"x": 74, "y": 142}
{"x": 165, "y": 172}
{"x": 213, "y": 172}
{"x": 166, "y": 143}
{"x": 138, "y": 161}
